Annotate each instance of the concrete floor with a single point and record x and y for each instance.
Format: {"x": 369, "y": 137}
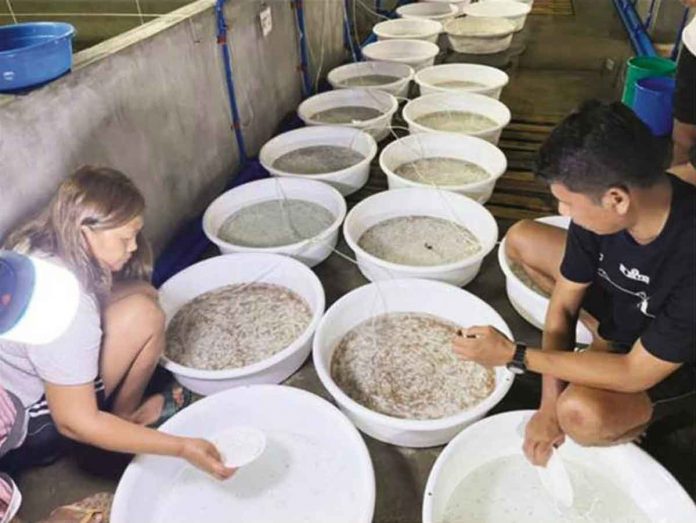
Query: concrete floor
{"x": 559, "y": 61}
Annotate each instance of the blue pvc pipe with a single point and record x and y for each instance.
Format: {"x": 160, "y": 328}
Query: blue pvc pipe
{"x": 640, "y": 40}
{"x": 680, "y": 33}
{"x": 304, "y": 63}
{"x": 227, "y": 62}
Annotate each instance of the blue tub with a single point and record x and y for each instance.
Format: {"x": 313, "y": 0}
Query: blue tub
{"x": 653, "y": 102}
{"x": 34, "y": 53}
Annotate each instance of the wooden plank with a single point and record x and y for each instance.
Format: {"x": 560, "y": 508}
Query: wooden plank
{"x": 515, "y": 145}
{"x": 526, "y": 176}
{"x": 524, "y": 201}
{"x": 514, "y": 213}
{"x": 530, "y": 127}
{"x": 517, "y": 186}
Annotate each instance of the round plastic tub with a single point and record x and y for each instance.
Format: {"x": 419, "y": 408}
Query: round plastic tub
{"x": 383, "y": 102}
{"x": 444, "y": 145}
{"x": 492, "y": 80}
{"x": 466, "y": 102}
{"x": 419, "y": 201}
{"x": 311, "y": 251}
{"x": 315, "y": 465}
{"x": 479, "y": 35}
{"x": 403, "y": 72}
{"x": 408, "y": 28}
{"x": 445, "y": 301}
{"x": 459, "y": 4}
{"x": 416, "y": 53}
{"x": 232, "y": 269}
{"x": 34, "y": 53}
{"x": 346, "y": 181}
{"x": 628, "y": 467}
{"x": 529, "y": 304}
{"x": 516, "y": 12}
{"x": 440, "y": 12}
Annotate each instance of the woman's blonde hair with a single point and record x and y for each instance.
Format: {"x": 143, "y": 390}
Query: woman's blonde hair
{"x": 96, "y": 197}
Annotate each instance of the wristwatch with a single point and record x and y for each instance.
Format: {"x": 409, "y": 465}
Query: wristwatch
{"x": 517, "y": 364}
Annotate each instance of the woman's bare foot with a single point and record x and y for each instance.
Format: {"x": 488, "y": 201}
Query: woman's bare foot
{"x": 151, "y": 409}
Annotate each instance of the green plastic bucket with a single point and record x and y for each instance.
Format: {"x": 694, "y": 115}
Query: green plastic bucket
{"x": 644, "y": 67}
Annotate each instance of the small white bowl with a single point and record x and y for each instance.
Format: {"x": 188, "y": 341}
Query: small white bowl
{"x": 239, "y": 446}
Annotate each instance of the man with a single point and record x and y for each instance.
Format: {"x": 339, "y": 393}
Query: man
{"x": 628, "y": 261}
{"x": 684, "y": 131}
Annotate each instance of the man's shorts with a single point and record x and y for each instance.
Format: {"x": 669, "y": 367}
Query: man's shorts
{"x": 685, "y": 92}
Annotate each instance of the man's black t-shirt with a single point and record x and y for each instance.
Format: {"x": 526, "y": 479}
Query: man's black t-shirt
{"x": 651, "y": 288}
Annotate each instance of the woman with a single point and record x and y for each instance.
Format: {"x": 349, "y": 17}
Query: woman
{"x": 107, "y": 356}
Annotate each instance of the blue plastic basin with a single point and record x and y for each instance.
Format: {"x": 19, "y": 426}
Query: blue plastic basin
{"x": 34, "y": 53}
{"x": 653, "y": 102}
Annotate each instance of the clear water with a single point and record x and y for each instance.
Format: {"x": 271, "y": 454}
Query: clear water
{"x": 347, "y": 114}
{"x": 318, "y": 159}
{"x": 369, "y": 80}
{"x": 509, "y": 490}
{"x": 442, "y": 171}
{"x": 456, "y": 121}
{"x": 274, "y": 223}
{"x": 459, "y": 85}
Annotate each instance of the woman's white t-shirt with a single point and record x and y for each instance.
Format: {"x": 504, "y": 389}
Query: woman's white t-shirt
{"x": 72, "y": 359}
{"x": 689, "y": 36}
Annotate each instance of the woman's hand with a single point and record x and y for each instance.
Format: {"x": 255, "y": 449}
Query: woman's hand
{"x": 540, "y": 436}
{"x": 203, "y": 455}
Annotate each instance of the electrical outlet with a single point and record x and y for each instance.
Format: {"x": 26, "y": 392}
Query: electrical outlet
{"x": 266, "y": 20}
{"x": 609, "y": 64}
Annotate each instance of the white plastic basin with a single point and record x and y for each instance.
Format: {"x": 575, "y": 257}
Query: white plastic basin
{"x": 404, "y": 72}
{"x": 420, "y": 201}
{"x": 229, "y": 269}
{"x": 492, "y": 80}
{"x": 479, "y": 35}
{"x": 440, "y": 12}
{"x": 346, "y": 181}
{"x": 444, "y": 145}
{"x": 459, "y": 4}
{"x": 467, "y": 102}
{"x": 408, "y": 28}
{"x": 384, "y": 102}
{"x": 416, "y": 53}
{"x": 445, "y": 301}
{"x": 529, "y": 304}
{"x": 315, "y": 468}
{"x": 514, "y": 11}
{"x": 628, "y": 467}
{"x": 311, "y": 251}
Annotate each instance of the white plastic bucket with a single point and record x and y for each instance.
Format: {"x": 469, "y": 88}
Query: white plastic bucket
{"x": 514, "y": 11}
{"x": 628, "y": 467}
{"x": 383, "y": 102}
{"x": 420, "y": 201}
{"x": 440, "y": 12}
{"x": 444, "y": 145}
{"x": 468, "y": 102}
{"x": 445, "y": 301}
{"x": 229, "y": 269}
{"x": 459, "y": 4}
{"x": 408, "y": 28}
{"x": 404, "y": 72}
{"x": 315, "y": 465}
{"x": 492, "y": 80}
{"x": 311, "y": 251}
{"x": 416, "y": 53}
{"x": 346, "y": 181}
{"x": 479, "y": 35}
{"x": 529, "y": 304}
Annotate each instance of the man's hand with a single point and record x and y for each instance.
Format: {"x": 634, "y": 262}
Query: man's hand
{"x": 484, "y": 345}
{"x": 203, "y": 455}
{"x": 540, "y": 436}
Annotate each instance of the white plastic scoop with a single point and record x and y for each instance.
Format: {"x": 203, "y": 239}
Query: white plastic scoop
{"x": 240, "y": 446}
{"x": 554, "y": 477}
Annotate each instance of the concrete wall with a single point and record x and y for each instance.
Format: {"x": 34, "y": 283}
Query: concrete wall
{"x": 152, "y": 103}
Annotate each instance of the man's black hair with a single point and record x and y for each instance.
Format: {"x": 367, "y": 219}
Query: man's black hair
{"x": 601, "y": 145}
